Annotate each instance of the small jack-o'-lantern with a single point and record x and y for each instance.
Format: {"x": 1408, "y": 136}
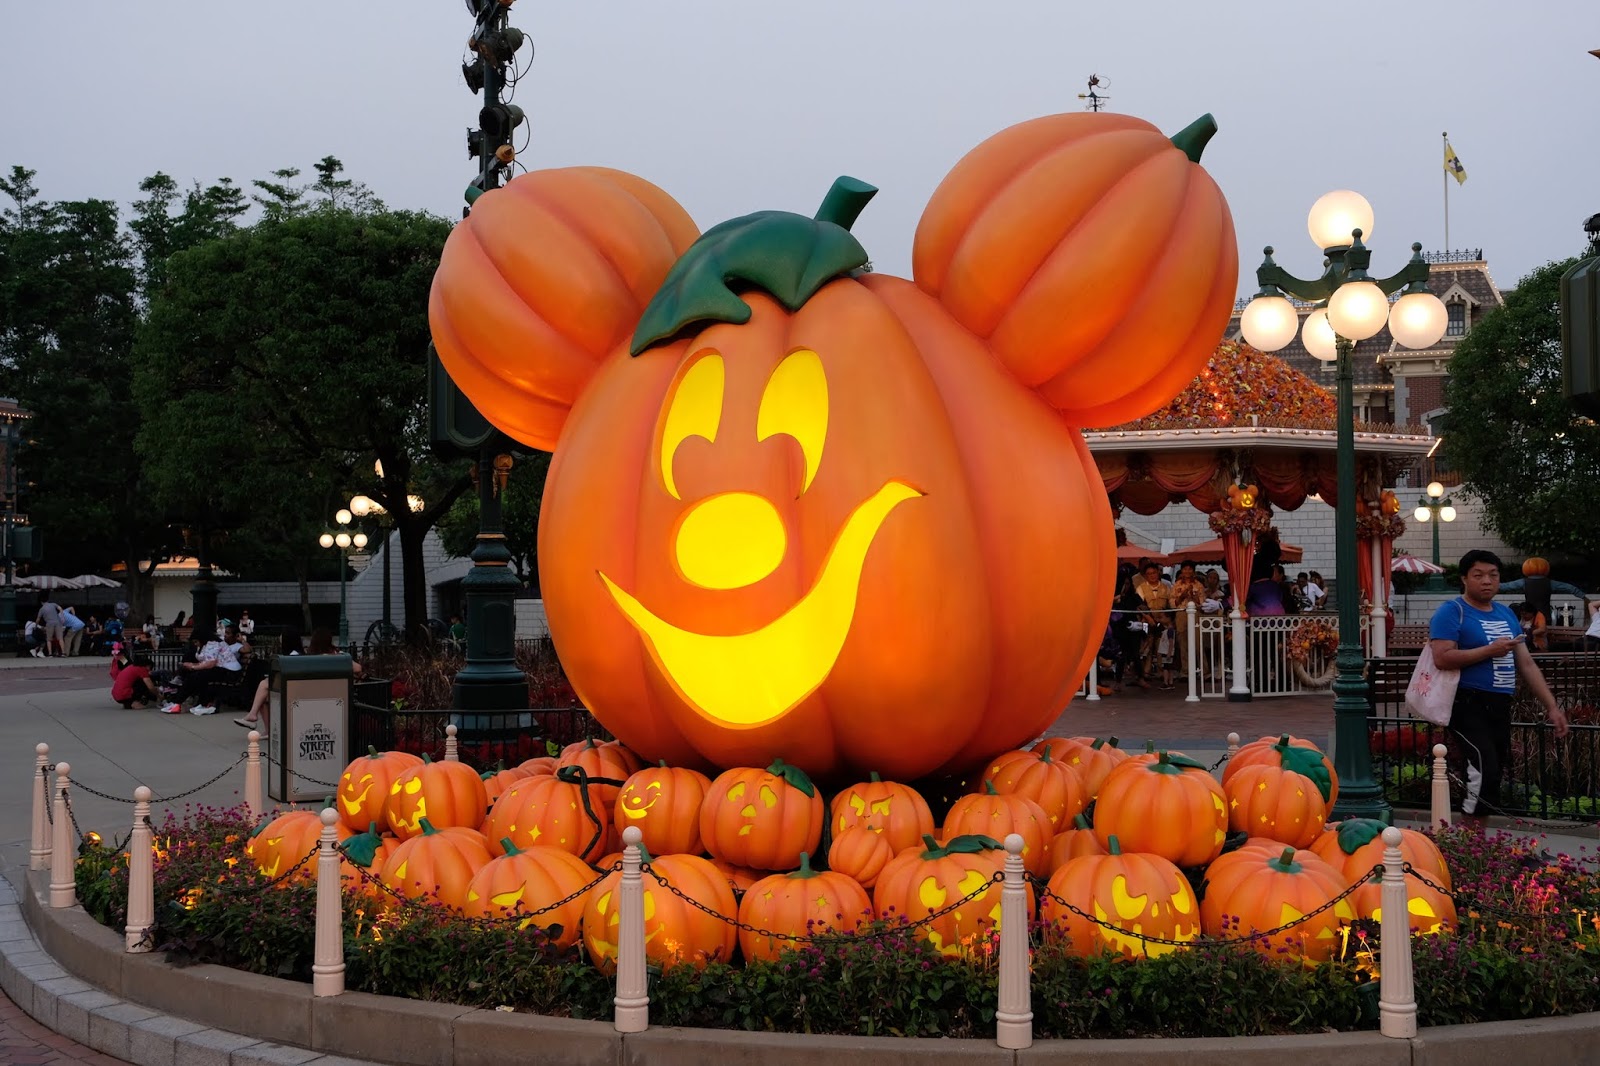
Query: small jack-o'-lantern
{"x": 992, "y": 814}
{"x": 1277, "y": 803}
{"x": 445, "y": 793}
{"x": 674, "y": 930}
{"x": 1053, "y": 785}
{"x": 529, "y": 881}
{"x": 1142, "y": 895}
{"x": 861, "y": 852}
{"x": 1292, "y": 753}
{"x": 762, "y": 819}
{"x": 1254, "y": 889}
{"x": 496, "y": 781}
{"x": 804, "y": 903}
{"x": 364, "y": 787}
{"x": 555, "y": 811}
{"x": 1074, "y": 842}
{"x": 1092, "y": 757}
{"x": 897, "y": 811}
{"x": 436, "y": 862}
{"x": 1168, "y": 805}
{"x": 602, "y": 763}
{"x": 919, "y": 881}
{"x": 781, "y": 480}
{"x": 664, "y": 802}
{"x": 1354, "y": 847}
{"x": 278, "y": 844}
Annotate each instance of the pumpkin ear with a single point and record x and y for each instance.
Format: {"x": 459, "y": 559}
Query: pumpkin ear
{"x": 544, "y": 280}
{"x": 1092, "y": 252}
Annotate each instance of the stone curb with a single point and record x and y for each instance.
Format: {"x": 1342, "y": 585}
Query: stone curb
{"x": 71, "y": 975}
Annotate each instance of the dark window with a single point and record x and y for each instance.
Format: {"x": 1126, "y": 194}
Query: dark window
{"x": 1456, "y": 324}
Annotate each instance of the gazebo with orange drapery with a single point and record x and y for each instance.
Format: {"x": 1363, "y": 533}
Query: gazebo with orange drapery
{"x": 1249, "y": 419}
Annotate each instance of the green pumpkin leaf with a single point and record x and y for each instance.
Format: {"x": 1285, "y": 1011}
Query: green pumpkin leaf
{"x": 1177, "y": 759}
{"x": 362, "y": 848}
{"x": 1356, "y": 833}
{"x": 1307, "y": 763}
{"x": 782, "y": 253}
{"x": 970, "y": 844}
{"x": 792, "y": 775}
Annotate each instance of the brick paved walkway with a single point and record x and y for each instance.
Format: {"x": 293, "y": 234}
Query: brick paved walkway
{"x": 24, "y": 1042}
{"x": 1135, "y": 716}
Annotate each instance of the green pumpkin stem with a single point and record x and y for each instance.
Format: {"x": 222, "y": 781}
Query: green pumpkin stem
{"x": 511, "y": 849}
{"x": 664, "y": 764}
{"x": 427, "y": 827}
{"x": 845, "y": 201}
{"x": 1112, "y": 742}
{"x": 1098, "y": 743}
{"x": 988, "y": 787}
{"x": 1113, "y": 845}
{"x": 805, "y": 870}
{"x": 1080, "y": 822}
{"x": 1149, "y": 747}
{"x": 372, "y": 751}
{"x": 427, "y": 758}
{"x": 933, "y": 845}
{"x": 1194, "y": 137}
{"x": 874, "y": 777}
{"x": 1046, "y": 756}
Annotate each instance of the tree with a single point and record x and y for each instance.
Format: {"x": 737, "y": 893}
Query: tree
{"x": 304, "y": 340}
{"x": 1511, "y": 433}
{"x": 519, "y": 508}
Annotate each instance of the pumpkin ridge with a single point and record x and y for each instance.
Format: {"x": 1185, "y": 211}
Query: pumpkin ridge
{"x": 558, "y": 211}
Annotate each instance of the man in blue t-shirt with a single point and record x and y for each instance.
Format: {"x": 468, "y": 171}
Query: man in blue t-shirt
{"x": 1484, "y": 640}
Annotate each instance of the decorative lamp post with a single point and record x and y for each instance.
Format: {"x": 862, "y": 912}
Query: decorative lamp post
{"x": 10, "y": 439}
{"x": 344, "y": 541}
{"x": 1431, "y": 508}
{"x": 1356, "y": 308}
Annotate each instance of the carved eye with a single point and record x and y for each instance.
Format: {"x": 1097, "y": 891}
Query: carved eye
{"x": 694, "y": 409}
{"x": 795, "y": 403}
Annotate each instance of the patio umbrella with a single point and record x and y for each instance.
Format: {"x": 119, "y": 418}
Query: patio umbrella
{"x": 1132, "y": 553}
{"x": 49, "y": 581}
{"x": 1410, "y": 564}
{"x": 95, "y": 581}
{"x": 1210, "y": 551}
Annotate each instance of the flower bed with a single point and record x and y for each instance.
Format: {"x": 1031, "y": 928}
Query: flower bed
{"x": 1526, "y": 947}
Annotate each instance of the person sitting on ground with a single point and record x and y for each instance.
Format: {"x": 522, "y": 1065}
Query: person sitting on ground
{"x": 131, "y": 683}
{"x": 33, "y": 639}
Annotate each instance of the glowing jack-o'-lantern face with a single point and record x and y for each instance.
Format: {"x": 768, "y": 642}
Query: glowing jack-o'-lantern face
{"x": 781, "y": 481}
{"x": 1132, "y": 897}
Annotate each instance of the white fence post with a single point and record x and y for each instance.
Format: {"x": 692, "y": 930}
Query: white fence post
{"x": 1191, "y": 636}
{"x": 1014, "y": 1011}
{"x": 1093, "y": 684}
{"x": 633, "y": 994}
{"x": 1239, "y": 692}
{"x": 1378, "y": 628}
{"x": 451, "y": 752}
{"x": 1441, "y": 788}
{"x": 63, "y": 850}
{"x": 141, "y": 876}
{"x": 39, "y": 848}
{"x": 1233, "y": 745}
{"x": 327, "y": 959}
{"x": 252, "y": 777}
{"x": 1397, "y": 1001}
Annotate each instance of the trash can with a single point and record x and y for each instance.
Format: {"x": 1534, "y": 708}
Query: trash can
{"x": 311, "y": 708}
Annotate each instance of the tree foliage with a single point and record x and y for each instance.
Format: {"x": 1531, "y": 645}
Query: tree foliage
{"x": 1511, "y": 433}
{"x": 519, "y": 517}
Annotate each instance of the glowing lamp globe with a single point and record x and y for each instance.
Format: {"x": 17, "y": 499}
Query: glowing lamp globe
{"x": 1358, "y": 310}
{"x": 1268, "y": 323}
{"x": 343, "y": 540}
{"x": 361, "y": 506}
{"x": 359, "y": 540}
{"x": 1336, "y": 215}
{"x": 1435, "y": 489}
{"x": 326, "y": 540}
{"x": 1318, "y": 336}
{"x": 1447, "y": 513}
{"x": 1422, "y": 514}
{"x": 342, "y": 516}
{"x": 1418, "y": 320}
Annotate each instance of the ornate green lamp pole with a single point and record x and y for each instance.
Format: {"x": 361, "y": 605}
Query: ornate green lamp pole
{"x": 344, "y": 541}
{"x": 1431, "y": 508}
{"x": 1357, "y": 307}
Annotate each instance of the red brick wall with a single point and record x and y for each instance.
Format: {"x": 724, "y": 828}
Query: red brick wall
{"x": 1423, "y": 394}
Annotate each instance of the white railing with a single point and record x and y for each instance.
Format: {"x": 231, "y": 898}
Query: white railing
{"x": 1269, "y": 671}
{"x": 1210, "y": 670}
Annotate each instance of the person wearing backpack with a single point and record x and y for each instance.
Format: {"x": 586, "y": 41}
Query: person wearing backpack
{"x": 1484, "y": 641}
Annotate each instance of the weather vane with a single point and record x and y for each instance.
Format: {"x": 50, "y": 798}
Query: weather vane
{"x": 1096, "y": 101}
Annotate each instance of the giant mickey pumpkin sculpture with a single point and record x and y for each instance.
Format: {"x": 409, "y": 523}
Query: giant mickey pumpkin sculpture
{"x": 781, "y": 481}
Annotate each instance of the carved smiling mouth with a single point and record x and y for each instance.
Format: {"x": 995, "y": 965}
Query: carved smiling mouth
{"x": 750, "y": 679}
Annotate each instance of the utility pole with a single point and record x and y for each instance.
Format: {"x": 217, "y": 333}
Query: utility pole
{"x": 490, "y": 680}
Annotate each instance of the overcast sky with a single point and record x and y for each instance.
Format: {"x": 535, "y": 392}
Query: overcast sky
{"x": 739, "y": 106}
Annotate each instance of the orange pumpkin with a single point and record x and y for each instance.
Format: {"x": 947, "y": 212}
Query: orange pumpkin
{"x": 1053, "y": 785}
{"x": 1534, "y": 566}
{"x": 775, "y": 478}
{"x": 762, "y": 818}
{"x": 281, "y": 842}
{"x": 1355, "y": 846}
{"x": 860, "y": 852}
{"x": 601, "y": 762}
{"x": 438, "y": 862}
{"x": 445, "y": 793}
{"x": 1253, "y": 890}
{"x": 1277, "y": 803}
{"x": 664, "y": 802}
{"x": 740, "y": 878}
{"x": 1073, "y": 843}
{"x": 366, "y": 853}
{"x": 1292, "y": 753}
{"x": 1142, "y": 895}
{"x": 919, "y": 881}
{"x": 897, "y": 811}
{"x": 1169, "y": 806}
{"x": 992, "y": 814}
{"x": 674, "y": 931}
{"x": 804, "y": 903}
{"x": 497, "y": 781}
{"x": 364, "y": 787}
{"x": 551, "y": 811}
{"x": 1092, "y": 757}
{"x": 531, "y": 880}
{"x": 539, "y": 764}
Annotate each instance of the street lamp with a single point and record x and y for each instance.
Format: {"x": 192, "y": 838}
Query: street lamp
{"x": 364, "y": 506}
{"x": 1356, "y": 308}
{"x": 344, "y": 541}
{"x": 11, "y": 436}
{"x": 1430, "y": 508}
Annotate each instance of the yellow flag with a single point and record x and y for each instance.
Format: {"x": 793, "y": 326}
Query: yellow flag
{"x": 1452, "y": 164}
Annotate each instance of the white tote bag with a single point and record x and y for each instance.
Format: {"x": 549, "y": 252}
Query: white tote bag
{"x": 1432, "y": 691}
